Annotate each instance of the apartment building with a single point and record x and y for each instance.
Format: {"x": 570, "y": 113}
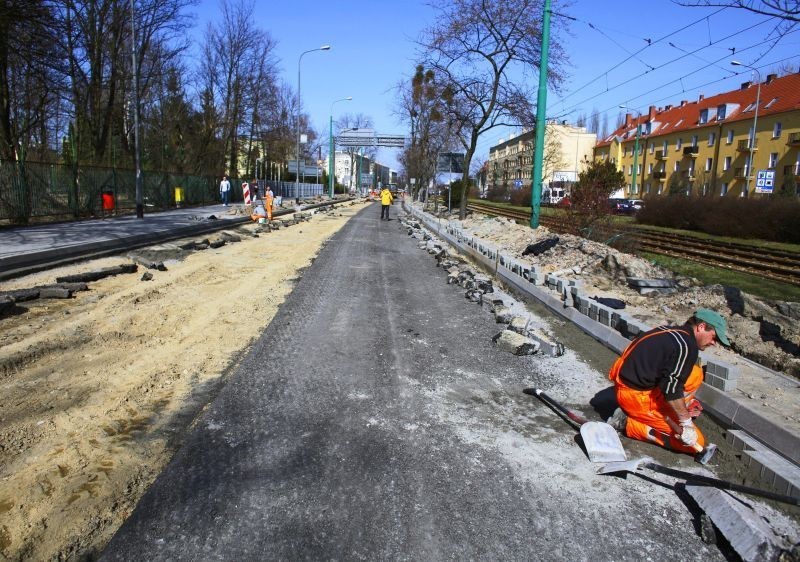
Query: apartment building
{"x": 566, "y": 150}
{"x": 703, "y": 146}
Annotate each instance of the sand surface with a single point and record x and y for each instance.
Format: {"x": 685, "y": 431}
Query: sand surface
{"x": 97, "y": 391}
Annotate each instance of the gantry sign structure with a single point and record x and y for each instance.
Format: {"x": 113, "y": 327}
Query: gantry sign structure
{"x": 363, "y": 138}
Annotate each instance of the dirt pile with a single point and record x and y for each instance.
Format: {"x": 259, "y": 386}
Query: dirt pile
{"x": 764, "y": 331}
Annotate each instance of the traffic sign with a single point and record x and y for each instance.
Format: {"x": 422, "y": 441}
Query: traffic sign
{"x": 765, "y": 181}
{"x": 517, "y": 183}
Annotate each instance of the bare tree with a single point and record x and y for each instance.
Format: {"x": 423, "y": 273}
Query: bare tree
{"x": 30, "y": 77}
{"x": 788, "y": 10}
{"x": 421, "y": 107}
{"x": 482, "y": 50}
{"x": 594, "y": 122}
{"x": 238, "y": 57}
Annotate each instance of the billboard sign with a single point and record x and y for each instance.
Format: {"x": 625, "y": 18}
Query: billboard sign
{"x": 452, "y": 162}
{"x": 562, "y": 176}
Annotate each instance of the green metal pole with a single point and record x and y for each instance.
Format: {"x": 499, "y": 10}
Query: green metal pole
{"x": 635, "y": 156}
{"x": 541, "y": 118}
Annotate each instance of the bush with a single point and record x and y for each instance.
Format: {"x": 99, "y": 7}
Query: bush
{"x": 521, "y": 197}
{"x": 776, "y": 219}
{"x": 497, "y": 193}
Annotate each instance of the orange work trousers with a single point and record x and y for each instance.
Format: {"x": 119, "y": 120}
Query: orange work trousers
{"x": 648, "y": 410}
{"x": 268, "y": 206}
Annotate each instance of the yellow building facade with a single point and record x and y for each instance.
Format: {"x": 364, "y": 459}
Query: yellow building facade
{"x": 703, "y": 147}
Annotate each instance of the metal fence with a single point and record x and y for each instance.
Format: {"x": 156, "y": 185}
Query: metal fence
{"x": 33, "y": 191}
{"x": 36, "y": 192}
{"x": 289, "y": 189}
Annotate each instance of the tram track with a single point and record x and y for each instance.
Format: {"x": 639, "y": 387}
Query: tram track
{"x": 776, "y": 265}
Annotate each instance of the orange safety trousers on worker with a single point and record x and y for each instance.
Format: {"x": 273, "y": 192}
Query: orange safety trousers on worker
{"x": 268, "y": 205}
{"x": 648, "y": 410}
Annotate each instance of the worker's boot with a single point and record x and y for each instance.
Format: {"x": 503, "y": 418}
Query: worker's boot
{"x": 619, "y": 420}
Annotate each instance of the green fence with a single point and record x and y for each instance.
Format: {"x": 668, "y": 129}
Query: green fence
{"x": 36, "y": 192}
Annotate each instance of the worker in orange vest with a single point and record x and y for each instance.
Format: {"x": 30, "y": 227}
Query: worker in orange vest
{"x": 268, "y": 198}
{"x": 656, "y": 377}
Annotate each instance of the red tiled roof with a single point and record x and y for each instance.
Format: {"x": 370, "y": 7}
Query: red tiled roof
{"x": 686, "y": 117}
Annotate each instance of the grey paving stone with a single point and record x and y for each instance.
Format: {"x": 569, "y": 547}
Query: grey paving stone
{"x": 746, "y": 532}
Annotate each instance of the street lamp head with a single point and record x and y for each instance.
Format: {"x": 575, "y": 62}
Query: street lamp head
{"x": 349, "y": 98}
{"x": 736, "y": 63}
{"x": 325, "y": 48}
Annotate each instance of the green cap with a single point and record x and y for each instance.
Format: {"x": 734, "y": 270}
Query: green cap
{"x": 716, "y": 321}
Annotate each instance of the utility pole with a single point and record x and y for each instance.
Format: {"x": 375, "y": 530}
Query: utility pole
{"x": 137, "y": 150}
{"x": 541, "y": 118}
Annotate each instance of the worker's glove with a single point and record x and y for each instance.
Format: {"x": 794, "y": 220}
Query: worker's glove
{"x": 695, "y": 407}
{"x": 689, "y": 434}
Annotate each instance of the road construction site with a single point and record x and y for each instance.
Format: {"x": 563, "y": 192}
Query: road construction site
{"x": 322, "y": 391}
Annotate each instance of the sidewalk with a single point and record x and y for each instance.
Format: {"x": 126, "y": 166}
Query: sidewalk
{"x": 27, "y": 249}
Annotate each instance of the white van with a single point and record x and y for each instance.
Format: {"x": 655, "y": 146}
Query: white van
{"x": 552, "y": 195}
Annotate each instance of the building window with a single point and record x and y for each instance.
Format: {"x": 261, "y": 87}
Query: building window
{"x": 630, "y": 170}
{"x": 721, "y": 109}
{"x": 724, "y": 189}
{"x": 647, "y": 188}
{"x": 652, "y": 147}
{"x": 666, "y": 146}
{"x": 677, "y": 166}
{"x": 776, "y": 130}
{"x": 694, "y": 140}
{"x": 730, "y": 136}
{"x": 703, "y": 116}
{"x": 726, "y": 166}
{"x": 650, "y": 169}
{"x": 625, "y": 151}
{"x": 660, "y": 189}
{"x": 712, "y": 138}
{"x": 771, "y": 102}
{"x": 773, "y": 160}
{"x": 709, "y": 161}
{"x": 639, "y": 169}
{"x": 678, "y": 144}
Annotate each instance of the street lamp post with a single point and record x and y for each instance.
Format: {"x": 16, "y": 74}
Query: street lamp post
{"x": 755, "y": 120}
{"x": 297, "y": 169}
{"x": 331, "y": 154}
{"x": 635, "y": 149}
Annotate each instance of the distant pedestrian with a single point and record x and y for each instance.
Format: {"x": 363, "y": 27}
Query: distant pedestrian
{"x": 224, "y": 190}
{"x": 386, "y": 201}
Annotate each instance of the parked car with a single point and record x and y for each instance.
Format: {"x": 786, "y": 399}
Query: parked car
{"x": 619, "y": 206}
{"x": 635, "y": 205}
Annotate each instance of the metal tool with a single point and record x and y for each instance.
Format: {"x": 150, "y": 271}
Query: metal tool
{"x": 646, "y": 462}
{"x": 600, "y": 439}
{"x": 702, "y": 454}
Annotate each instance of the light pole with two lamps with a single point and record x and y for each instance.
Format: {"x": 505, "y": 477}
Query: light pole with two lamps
{"x": 635, "y": 148}
{"x": 299, "y": 105}
{"x": 331, "y": 154}
{"x": 752, "y": 139}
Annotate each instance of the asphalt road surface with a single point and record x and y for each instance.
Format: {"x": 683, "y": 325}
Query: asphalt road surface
{"x": 374, "y": 420}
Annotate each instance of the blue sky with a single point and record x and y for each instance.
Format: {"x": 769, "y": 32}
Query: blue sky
{"x": 372, "y": 48}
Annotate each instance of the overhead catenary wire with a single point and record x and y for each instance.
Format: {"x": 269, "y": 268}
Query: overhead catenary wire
{"x": 650, "y": 43}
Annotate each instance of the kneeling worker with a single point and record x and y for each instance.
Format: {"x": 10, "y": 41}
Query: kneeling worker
{"x": 655, "y": 380}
